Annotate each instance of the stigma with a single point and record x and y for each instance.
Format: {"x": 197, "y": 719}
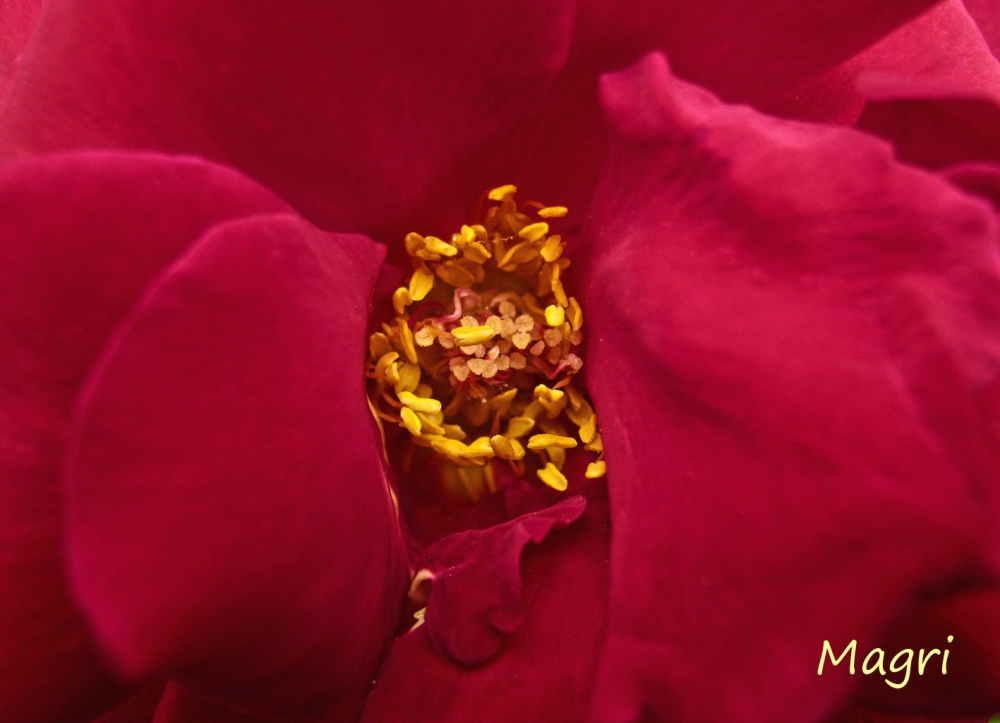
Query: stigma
{"x": 479, "y": 363}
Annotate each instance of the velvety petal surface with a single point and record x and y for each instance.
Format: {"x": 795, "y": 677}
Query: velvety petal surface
{"x": 744, "y": 50}
{"x": 942, "y": 50}
{"x": 360, "y": 114}
{"x": 230, "y": 524}
{"x": 972, "y": 621}
{"x": 544, "y": 671}
{"x": 471, "y": 582}
{"x": 788, "y": 328}
{"x": 936, "y": 132}
{"x": 17, "y": 20}
{"x": 81, "y": 236}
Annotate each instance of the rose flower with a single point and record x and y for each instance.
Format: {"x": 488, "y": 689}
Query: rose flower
{"x": 228, "y": 227}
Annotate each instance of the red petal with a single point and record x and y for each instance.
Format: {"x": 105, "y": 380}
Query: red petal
{"x": 362, "y": 115}
{"x": 229, "y": 521}
{"x": 972, "y": 681}
{"x": 787, "y": 328}
{"x": 745, "y": 50}
{"x": 941, "y": 50}
{"x": 16, "y": 24}
{"x": 179, "y": 706}
{"x": 474, "y": 598}
{"x": 544, "y": 672}
{"x": 80, "y": 237}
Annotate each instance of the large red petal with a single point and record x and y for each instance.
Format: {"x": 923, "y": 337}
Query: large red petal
{"x": 545, "y": 670}
{"x": 230, "y": 524}
{"x": 360, "y": 114}
{"x": 17, "y": 20}
{"x": 942, "y": 50}
{"x": 80, "y": 236}
{"x": 787, "y": 331}
{"x": 745, "y": 50}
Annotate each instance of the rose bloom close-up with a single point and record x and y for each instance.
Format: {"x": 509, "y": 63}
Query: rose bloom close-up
{"x": 557, "y": 361}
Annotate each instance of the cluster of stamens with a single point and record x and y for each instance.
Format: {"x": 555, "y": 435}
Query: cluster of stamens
{"x": 478, "y": 365}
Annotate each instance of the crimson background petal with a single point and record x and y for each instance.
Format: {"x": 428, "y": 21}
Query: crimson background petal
{"x": 545, "y": 670}
{"x": 744, "y": 50}
{"x": 475, "y": 590}
{"x": 359, "y": 114}
{"x": 788, "y": 328}
{"x": 81, "y": 236}
{"x": 230, "y": 525}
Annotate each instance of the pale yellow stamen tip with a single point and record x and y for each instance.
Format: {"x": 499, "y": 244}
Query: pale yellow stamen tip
{"x": 553, "y": 211}
{"x": 501, "y": 192}
{"x": 544, "y": 441}
{"x": 472, "y": 335}
{"x": 439, "y": 247}
{"x": 588, "y": 430}
{"x": 596, "y": 469}
{"x": 575, "y": 314}
{"x": 420, "y": 404}
{"x": 554, "y": 315}
{"x": 534, "y": 231}
{"x": 506, "y": 447}
{"x": 410, "y": 420}
{"x": 552, "y": 249}
{"x": 401, "y": 299}
{"x": 555, "y": 479}
{"x": 519, "y": 426}
{"x": 421, "y": 283}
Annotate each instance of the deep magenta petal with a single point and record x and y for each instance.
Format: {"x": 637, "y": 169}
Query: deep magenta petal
{"x": 361, "y": 115}
{"x": 230, "y": 524}
{"x": 16, "y": 23}
{"x": 545, "y": 670}
{"x": 971, "y": 682}
{"x": 745, "y": 50}
{"x": 788, "y": 331}
{"x": 180, "y": 706}
{"x": 472, "y": 582}
{"x": 936, "y": 132}
{"x": 941, "y": 49}
{"x": 978, "y": 179}
{"x": 80, "y": 236}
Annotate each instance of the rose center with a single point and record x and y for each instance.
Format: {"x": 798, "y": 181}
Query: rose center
{"x": 479, "y": 363}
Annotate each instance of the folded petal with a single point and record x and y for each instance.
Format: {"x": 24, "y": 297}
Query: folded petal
{"x": 230, "y": 525}
{"x": 471, "y": 582}
{"x": 745, "y": 50}
{"x": 545, "y": 670}
{"x": 788, "y": 331}
{"x": 941, "y": 51}
{"x": 80, "y": 236}
{"x": 360, "y": 114}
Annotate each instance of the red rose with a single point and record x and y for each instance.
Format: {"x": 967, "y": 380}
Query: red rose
{"x": 794, "y": 340}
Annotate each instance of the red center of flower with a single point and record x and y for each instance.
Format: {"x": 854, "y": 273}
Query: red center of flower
{"x": 479, "y": 362}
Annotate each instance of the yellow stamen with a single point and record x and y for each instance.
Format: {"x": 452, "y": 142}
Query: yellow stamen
{"x": 406, "y": 340}
{"x": 501, "y": 192}
{"x": 419, "y": 404}
{"x": 517, "y": 427}
{"x": 551, "y": 476}
{"x": 410, "y": 421}
{"x": 596, "y": 469}
{"x": 552, "y": 249}
{"x": 439, "y": 247}
{"x": 544, "y": 441}
{"x": 493, "y": 349}
{"x": 506, "y": 447}
{"x": 401, "y": 299}
{"x": 421, "y": 283}
{"x": 472, "y": 335}
{"x": 534, "y": 232}
{"x": 554, "y": 315}
{"x": 553, "y": 211}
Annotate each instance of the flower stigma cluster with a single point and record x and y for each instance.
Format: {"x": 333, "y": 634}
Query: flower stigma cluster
{"x": 479, "y": 363}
